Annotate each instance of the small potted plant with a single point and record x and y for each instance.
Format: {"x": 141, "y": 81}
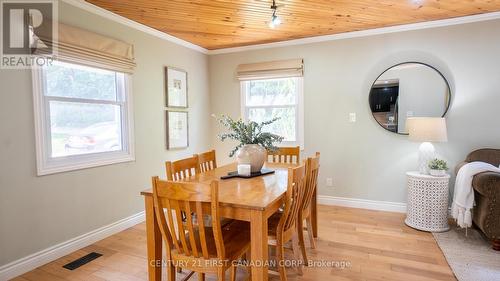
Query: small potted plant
{"x": 253, "y": 142}
{"x": 438, "y": 167}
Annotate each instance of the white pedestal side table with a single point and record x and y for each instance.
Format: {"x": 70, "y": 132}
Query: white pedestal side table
{"x": 427, "y": 207}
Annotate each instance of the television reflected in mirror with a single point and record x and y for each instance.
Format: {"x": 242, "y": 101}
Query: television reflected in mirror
{"x": 410, "y": 89}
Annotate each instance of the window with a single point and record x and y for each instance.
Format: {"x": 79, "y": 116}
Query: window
{"x": 82, "y": 116}
{"x": 269, "y": 98}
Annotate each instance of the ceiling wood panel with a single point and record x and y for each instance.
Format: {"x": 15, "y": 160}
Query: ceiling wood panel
{"x": 217, "y": 24}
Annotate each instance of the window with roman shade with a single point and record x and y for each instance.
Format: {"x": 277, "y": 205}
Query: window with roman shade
{"x": 82, "y": 102}
{"x": 274, "y": 89}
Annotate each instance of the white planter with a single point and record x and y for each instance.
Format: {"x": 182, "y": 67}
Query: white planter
{"x": 253, "y": 155}
{"x": 437, "y": 173}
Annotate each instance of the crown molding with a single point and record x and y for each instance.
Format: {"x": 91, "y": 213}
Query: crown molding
{"x": 363, "y": 33}
{"x": 82, "y": 4}
{"x": 316, "y": 39}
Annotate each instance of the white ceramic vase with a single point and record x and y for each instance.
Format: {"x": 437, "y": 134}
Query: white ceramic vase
{"x": 253, "y": 155}
{"x": 437, "y": 173}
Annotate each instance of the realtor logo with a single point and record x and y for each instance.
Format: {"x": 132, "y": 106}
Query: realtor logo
{"x": 28, "y": 30}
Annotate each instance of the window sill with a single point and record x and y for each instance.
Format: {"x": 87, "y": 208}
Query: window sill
{"x": 60, "y": 166}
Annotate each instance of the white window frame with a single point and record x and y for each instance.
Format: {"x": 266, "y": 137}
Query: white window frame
{"x": 299, "y": 122}
{"x": 50, "y": 165}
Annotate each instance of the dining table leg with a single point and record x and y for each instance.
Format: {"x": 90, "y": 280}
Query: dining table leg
{"x": 259, "y": 247}
{"x": 154, "y": 242}
{"x": 314, "y": 213}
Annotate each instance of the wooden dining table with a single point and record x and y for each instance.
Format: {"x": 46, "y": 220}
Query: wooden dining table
{"x": 253, "y": 200}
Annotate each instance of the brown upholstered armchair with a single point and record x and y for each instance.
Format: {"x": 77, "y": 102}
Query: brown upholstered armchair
{"x": 486, "y": 212}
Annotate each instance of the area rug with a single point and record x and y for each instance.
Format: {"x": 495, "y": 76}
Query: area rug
{"x": 470, "y": 257}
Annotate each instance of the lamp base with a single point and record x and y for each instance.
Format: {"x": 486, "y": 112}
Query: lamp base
{"x": 426, "y": 153}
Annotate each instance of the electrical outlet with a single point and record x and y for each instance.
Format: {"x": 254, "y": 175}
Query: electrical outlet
{"x": 352, "y": 117}
{"x": 329, "y": 182}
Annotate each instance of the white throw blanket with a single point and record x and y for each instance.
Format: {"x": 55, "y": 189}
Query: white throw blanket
{"x": 463, "y": 197}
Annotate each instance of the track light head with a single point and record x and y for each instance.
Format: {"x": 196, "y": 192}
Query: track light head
{"x": 275, "y": 20}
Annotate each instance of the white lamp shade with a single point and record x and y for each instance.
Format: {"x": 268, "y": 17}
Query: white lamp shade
{"x": 427, "y": 129}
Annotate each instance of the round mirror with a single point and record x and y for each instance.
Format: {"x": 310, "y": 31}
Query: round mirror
{"x": 410, "y": 89}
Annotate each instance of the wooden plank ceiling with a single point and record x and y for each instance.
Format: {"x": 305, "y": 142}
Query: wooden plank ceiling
{"x": 217, "y": 24}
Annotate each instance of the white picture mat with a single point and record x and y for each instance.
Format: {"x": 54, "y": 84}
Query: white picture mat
{"x": 177, "y": 135}
{"x": 176, "y": 88}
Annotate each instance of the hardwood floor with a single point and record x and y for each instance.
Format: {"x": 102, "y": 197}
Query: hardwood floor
{"x": 362, "y": 244}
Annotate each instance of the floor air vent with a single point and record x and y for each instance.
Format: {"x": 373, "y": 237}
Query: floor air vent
{"x": 81, "y": 261}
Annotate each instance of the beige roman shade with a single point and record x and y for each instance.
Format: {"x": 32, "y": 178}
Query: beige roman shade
{"x": 80, "y": 46}
{"x": 272, "y": 69}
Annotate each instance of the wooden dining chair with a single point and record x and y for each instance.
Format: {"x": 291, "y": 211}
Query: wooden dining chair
{"x": 194, "y": 246}
{"x": 285, "y": 155}
{"x": 182, "y": 169}
{"x": 283, "y": 226}
{"x": 305, "y": 213}
{"x": 206, "y": 161}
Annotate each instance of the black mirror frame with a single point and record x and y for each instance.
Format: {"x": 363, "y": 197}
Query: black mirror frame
{"x": 416, "y": 62}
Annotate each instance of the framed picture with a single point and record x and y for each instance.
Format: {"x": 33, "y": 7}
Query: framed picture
{"x": 177, "y": 129}
{"x": 176, "y": 87}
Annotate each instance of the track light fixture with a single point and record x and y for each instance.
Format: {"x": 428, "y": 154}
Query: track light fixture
{"x": 275, "y": 20}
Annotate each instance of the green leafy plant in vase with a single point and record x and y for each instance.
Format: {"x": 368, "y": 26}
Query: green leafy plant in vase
{"x": 253, "y": 142}
{"x": 438, "y": 167}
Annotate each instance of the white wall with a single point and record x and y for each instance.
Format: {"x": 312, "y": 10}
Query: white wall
{"x": 364, "y": 160}
{"x": 38, "y": 212}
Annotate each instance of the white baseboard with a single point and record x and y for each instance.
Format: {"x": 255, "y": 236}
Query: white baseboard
{"x": 35, "y": 260}
{"x": 362, "y": 203}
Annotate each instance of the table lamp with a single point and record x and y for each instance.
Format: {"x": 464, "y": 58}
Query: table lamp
{"x": 426, "y": 130}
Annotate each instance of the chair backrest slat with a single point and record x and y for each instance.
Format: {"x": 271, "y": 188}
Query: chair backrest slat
{"x": 180, "y": 226}
{"x": 192, "y": 233}
{"x": 201, "y": 224}
{"x": 290, "y": 155}
{"x": 293, "y": 198}
{"x": 207, "y": 161}
{"x": 216, "y": 226}
{"x": 166, "y": 232}
{"x": 171, "y": 230}
{"x": 182, "y": 169}
{"x": 176, "y": 199}
{"x": 312, "y": 180}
